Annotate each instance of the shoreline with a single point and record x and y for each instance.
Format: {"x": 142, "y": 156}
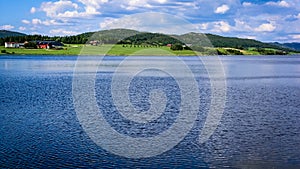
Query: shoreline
{"x": 57, "y": 55}
{"x": 118, "y": 50}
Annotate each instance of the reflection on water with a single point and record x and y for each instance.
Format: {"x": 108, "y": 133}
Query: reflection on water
{"x": 260, "y": 126}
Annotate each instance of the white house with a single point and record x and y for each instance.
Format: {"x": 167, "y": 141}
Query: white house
{"x": 13, "y": 45}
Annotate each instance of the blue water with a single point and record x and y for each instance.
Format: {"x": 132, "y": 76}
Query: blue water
{"x": 260, "y": 126}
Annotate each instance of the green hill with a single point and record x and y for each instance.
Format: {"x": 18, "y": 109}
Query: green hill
{"x": 125, "y": 36}
{"x": 293, "y": 45}
{"x": 133, "y": 37}
{"x": 6, "y": 33}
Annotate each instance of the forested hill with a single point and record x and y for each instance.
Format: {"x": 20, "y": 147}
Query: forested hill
{"x": 5, "y": 33}
{"x": 293, "y": 45}
{"x": 127, "y": 36}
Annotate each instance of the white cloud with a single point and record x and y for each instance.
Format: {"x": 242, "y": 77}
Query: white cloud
{"x": 35, "y": 33}
{"x": 284, "y": 4}
{"x": 203, "y": 26}
{"x": 127, "y": 22}
{"x": 280, "y": 3}
{"x": 33, "y": 10}
{"x": 297, "y": 37}
{"x": 135, "y": 4}
{"x": 266, "y": 27}
{"x": 298, "y": 16}
{"x": 62, "y": 32}
{"x": 25, "y": 21}
{"x": 91, "y": 7}
{"x": 221, "y": 26}
{"x": 246, "y": 4}
{"x": 22, "y": 28}
{"x": 36, "y": 21}
{"x": 93, "y": 3}
{"x": 7, "y": 27}
{"x": 222, "y": 9}
{"x": 45, "y": 22}
{"x": 241, "y": 25}
{"x": 151, "y": 22}
{"x": 248, "y": 37}
{"x": 52, "y": 9}
{"x": 50, "y": 22}
{"x": 161, "y": 1}
{"x": 68, "y": 9}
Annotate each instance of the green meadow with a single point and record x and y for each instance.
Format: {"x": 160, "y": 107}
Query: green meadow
{"x": 106, "y": 49}
{"x": 121, "y": 50}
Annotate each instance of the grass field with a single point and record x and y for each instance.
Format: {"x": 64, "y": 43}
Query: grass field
{"x": 107, "y": 49}
{"x": 117, "y": 50}
{"x": 120, "y": 50}
{"x": 67, "y": 50}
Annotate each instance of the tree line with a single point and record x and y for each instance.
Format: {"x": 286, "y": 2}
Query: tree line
{"x": 78, "y": 39}
{"x": 131, "y": 37}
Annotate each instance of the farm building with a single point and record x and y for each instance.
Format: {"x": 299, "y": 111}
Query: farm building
{"x": 94, "y": 42}
{"x": 49, "y": 44}
{"x": 13, "y": 45}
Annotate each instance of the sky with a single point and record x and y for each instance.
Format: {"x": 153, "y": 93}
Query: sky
{"x": 264, "y": 20}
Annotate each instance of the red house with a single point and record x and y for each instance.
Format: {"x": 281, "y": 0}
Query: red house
{"x": 49, "y": 44}
{"x": 43, "y": 45}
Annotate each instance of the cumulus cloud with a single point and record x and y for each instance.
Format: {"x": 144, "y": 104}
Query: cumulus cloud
{"x": 21, "y": 28}
{"x": 203, "y": 26}
{"x": 36, "y": 21}
{"x": 26, "y": 21}
{"x": 151, "y": 22}
{"x": 135, "y": 4}
{"x": 266, "y": 20}
{"x": 248, "y": 37}
{"x": 297, "y": 37}
{"x": 62, "y": 32}
{"x": 161, "y": 1}
{"x": 222, "y": 9}
{"x": 7, "y": 27}
{"x": 280, "y": 4}
{"x": 69, "y": 9}
{"x": 246, "y": 4}
{"x": 33, "y": 10}
{"x": 241, "y": 25}
{"x": 53, "y": 9}
{"x": 50, "y": 22}
{"x": 91, "y": 7}
{"x": 266, "y": 27}
{"x": 144, "y": 4}
{"x": 222, "y": 26}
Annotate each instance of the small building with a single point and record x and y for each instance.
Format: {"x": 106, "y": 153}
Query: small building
{"x": 13, "y": 45}
{"x": 169, "y": 45}
{"x": 49, "y": 45}
{"x": 94, "y": 42}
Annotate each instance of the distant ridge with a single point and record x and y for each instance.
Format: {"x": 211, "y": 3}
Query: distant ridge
{"x": 6, "y": 33}
{"x": 293, "y": 45}
{"x": 135, "y": 37}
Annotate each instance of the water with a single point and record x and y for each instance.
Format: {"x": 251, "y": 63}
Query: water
{"x": 259, "y": 128}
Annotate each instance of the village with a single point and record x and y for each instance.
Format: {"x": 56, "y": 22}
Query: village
{"x": 35, "y": 45}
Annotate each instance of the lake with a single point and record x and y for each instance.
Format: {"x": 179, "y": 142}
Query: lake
{"x": 41, "y": 125}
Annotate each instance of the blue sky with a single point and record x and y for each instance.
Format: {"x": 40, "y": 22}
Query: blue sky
{"x": 264, "y": 20}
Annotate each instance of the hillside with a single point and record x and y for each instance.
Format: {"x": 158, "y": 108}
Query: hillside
{"x": 293, "y": 46}
{"x": 127, "y": 36}
{"x": 6, "y": 33}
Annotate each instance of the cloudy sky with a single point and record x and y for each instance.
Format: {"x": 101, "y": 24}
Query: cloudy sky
{"x": 264, "y": 20}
